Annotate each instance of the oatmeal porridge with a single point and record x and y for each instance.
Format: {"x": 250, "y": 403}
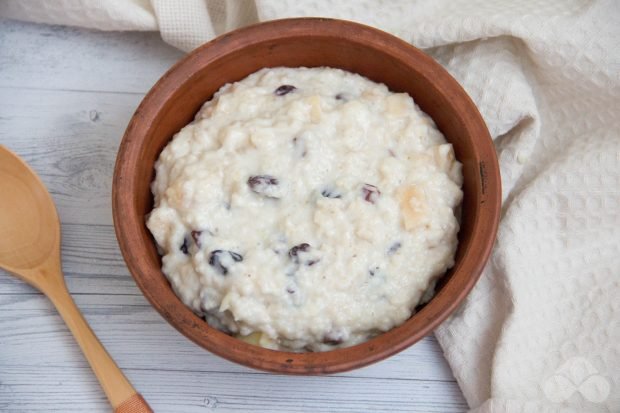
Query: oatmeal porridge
{"x": 306, "y": 209}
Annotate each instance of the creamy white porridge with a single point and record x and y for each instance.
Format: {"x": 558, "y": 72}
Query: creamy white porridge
{"x": 306, "y": 209}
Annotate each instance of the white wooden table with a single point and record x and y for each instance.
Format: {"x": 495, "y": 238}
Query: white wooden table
{"x": 66, "y": 96}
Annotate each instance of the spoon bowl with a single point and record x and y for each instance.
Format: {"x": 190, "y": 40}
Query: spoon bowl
{"x": 30, "y": 249}
{"x": 28, "y": 220}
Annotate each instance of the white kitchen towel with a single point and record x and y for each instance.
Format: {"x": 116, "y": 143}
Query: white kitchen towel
{"x": 541, "y": 330}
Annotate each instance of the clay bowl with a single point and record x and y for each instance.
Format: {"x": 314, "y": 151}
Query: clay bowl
{"x": 177, "y": 96}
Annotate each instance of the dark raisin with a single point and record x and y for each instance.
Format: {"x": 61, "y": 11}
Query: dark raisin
{"x": 300, "y": 254}
{"x": 262, "y": 180}
{"x": 196, "y": 237}
{"x": 284, "y": 90}
{"x": 341, "y": 96}
{"x": 293, "y": 253}
{"x": 373, "y": 271}
{"x": 216, "y": 257}
{"x": 290, "y": 290}
{"x": 184, "y": 247}
{"x": 331, "y": 193}
{"x": 371, "y": 193}
{"x": 394, "y": 247}
{"x": 263, "y": 184}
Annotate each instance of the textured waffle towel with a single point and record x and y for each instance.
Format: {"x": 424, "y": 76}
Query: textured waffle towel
{"x": 541, "y": 330}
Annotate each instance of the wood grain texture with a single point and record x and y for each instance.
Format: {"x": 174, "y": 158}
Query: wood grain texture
{"x": 66, "y": 96}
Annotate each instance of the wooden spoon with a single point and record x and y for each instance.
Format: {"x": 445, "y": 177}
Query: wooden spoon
{"x": 30, "y": 249}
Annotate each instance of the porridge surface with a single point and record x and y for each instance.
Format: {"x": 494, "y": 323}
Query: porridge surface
{"x": 306, "y": 208}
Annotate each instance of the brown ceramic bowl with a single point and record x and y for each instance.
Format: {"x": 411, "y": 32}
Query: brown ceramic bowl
{"x": 177, "y": 96}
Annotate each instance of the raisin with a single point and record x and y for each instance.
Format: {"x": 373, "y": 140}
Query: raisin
{"x": 263, "y": 185}
{"x": 341, "y": 96}
{"x": 196, "y": 237}
{"x": 196, "y": 234}
{"x": 262, "y": 180}
{"x": 394, "y": 247}
{"x": 216, "y": 257}
{"x": 184, "y": 247}
{"x": 293, "y": 253}
{"x": 373, "y": 271}
{"x": 284, "y": 90}
{"x": 331, "y": 193}
{"x": 371, "y": 193}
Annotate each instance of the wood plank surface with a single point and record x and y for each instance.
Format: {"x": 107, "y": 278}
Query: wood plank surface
{"x": 66, "y": 96}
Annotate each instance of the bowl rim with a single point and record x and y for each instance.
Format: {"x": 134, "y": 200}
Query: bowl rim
{"x": 393, "y": 341}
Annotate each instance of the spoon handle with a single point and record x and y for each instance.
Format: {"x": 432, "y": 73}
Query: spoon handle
{"x": 118, "y": 389}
